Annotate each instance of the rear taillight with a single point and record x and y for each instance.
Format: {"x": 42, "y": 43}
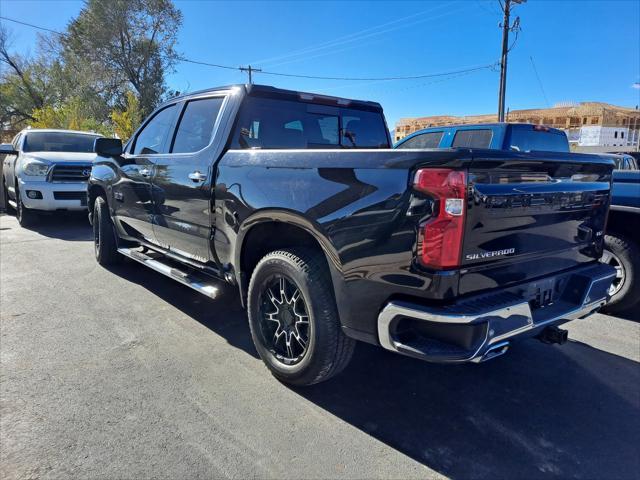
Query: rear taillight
{"x": 440, "y": 244}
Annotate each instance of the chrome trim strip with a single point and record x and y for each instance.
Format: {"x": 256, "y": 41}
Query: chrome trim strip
{"x": 624, "y": 208}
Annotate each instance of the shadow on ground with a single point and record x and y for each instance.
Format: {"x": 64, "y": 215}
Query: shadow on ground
{"x": 76, "y": 226}
{"x": 631, "y": 314}
{"x": 540, "y": 411}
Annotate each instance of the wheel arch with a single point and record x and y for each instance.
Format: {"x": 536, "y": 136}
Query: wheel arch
{"x": 623, "y": 222}
{"x": 94, "y": 191}
{"x": 270, "y": 230}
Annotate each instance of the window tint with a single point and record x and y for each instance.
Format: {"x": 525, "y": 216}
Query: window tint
{"x": 152, "y": 138}
{"x": 619, "y": 163}
{"x": 472, "y": 139}
{"x": 268, "y": 123}
{"x": 196, "y": 125}
{"x": 363, "y": 130}
{"x": 58, "y": 142}
{"x": 526, "y": 139}
{"x": 16, "y": 141}
{"x": 425, "y": 140}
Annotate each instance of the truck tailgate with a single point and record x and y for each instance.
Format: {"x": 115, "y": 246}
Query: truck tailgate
{"x": 532, "y": 215}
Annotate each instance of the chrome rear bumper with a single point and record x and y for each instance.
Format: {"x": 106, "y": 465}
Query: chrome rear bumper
{"x": 482, "y": 328}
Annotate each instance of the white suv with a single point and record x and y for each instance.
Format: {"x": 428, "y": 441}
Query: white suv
{"x": 47, "y": 170}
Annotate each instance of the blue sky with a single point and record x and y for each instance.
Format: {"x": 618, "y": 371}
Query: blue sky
{"x": 583, "y": 50}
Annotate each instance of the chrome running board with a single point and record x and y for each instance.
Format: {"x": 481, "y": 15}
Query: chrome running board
{"x": 197, "y": 281}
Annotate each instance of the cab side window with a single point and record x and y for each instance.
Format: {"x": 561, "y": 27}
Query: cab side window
{"x": 425, "y": 140}
{"x": 196, "y": 125}
{"x": 472, "y": 139}
{"x": 153, "y": 137}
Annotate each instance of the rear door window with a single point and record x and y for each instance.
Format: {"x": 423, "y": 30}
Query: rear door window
{"x": 424, "y": 140}
{"x": 266, "y": 123}
{"x": 196, "y": 125}
{"x": 472, "y": 138}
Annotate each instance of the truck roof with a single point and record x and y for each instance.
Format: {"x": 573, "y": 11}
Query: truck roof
{"x": 503, "y": 125}
{"x": 59, "y": 130}
{"x": 273, "y": 92}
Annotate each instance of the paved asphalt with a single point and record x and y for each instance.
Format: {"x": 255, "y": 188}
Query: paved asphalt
{"x": 127, "y": 374}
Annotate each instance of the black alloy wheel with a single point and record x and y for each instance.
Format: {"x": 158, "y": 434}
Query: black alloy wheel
{"x": 284, "y": 320}
{"x": 294, "y": 318}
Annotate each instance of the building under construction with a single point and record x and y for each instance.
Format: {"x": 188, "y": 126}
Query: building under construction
{"x": 588, "y": 124}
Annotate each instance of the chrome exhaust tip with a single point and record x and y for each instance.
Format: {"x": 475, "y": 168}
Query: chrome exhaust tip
{"x": 495, "y": 351}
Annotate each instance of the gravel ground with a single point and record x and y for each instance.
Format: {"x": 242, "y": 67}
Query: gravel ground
{"x": 124, "y": 373}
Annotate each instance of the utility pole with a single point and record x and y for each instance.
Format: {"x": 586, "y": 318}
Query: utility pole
{"x": 249, "y": 69}
{"x": 506, "y": 28}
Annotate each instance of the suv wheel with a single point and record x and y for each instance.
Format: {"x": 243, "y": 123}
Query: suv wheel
{"x": 5, "y": 193}
{"x": 624, "y": 255}
{"x": 105, "y": 240}
{"x": 26, "y": 217}
{"x": 294, "y": 320}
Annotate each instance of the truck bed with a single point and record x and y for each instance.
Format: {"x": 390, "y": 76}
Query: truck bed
{"x": 543, "y": 212}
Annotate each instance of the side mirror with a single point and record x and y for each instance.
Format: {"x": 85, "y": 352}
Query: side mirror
{"x": 108, "y": 147}
{"x": 7, "y": 149}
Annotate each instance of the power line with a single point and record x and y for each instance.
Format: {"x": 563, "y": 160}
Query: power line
{"x": 357, "y": 42}
{"x": 407, "y": 77}
{"x": 33, "y": 26}
{"x": 297, "y": 56}
{"x": 345, "y": 38}
{"x": 180, "y": 58}
{"x": 535, "y": 70}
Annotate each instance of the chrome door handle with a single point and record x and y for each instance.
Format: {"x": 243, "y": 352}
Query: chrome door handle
{"x": 197, "y": 176}
{"x": 145, "y": 172}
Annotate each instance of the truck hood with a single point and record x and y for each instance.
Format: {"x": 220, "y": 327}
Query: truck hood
{"x": 61, "y": 157}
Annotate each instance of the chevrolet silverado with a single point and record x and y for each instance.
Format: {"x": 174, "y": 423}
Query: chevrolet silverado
{"x": 331, "y": 236}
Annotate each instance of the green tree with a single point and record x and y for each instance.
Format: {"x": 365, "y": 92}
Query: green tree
{"x": 70, "y": 115}
{"x": 126, "y": 121}
{"x": 124, "y": 44}
{"x": 25, "y": 84}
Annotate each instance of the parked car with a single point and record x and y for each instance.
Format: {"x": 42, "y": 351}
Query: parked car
{"x": 46, "y": 170}
{"x": 622, "y": 240}
{"x": 331, "y": 236}
{"x": 520, "y": 137}
{"x": 624, "y": 161}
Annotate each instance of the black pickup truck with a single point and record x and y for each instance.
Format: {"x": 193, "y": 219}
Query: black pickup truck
{"x": 331, "y": 236}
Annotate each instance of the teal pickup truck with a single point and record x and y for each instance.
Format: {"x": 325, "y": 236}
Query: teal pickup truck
{"x": 520, "y": 137}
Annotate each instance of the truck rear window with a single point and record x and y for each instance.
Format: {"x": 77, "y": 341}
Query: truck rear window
{"x": 266, "y": 123}
{"x": 526, "y": 139}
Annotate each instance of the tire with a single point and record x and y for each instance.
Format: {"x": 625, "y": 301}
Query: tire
{"x": 26, "y": 217}
{"x": 105, "y": 240}
{"x": 624, "y": 254}
{"x": 5, "y": 193}
{"x": 277, "y": 319}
